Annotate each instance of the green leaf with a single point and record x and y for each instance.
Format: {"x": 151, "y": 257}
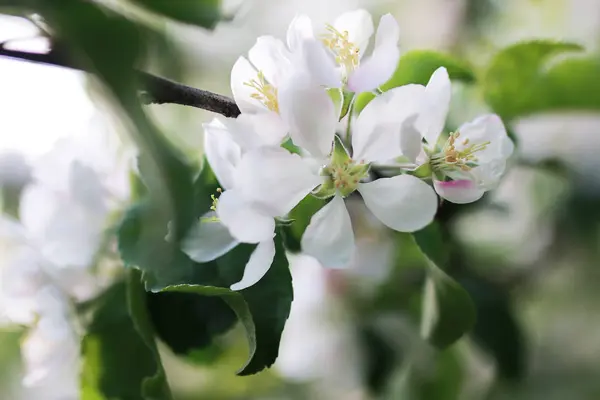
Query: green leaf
{"x": 262, "y": 309}
{"x": 205, "y": 13}
{"x": 437, "y": 377}
{"x": 416, "y": 66}
{"x": 120, "y": 358}
{"x": 431, "y": 242}
{"x": 522, "y": 80}
{"x": 448, "y": 311}
{"x": 497, "y": 330}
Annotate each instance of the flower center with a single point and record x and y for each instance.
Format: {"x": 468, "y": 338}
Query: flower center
{"x": 345, "y": 52}
{"x": 463, "y": 159}
{"x": 265, "y": 92}
{"x": 342, "y": 178}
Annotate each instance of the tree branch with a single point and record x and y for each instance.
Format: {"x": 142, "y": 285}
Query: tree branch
{"x": 156, "y": 90}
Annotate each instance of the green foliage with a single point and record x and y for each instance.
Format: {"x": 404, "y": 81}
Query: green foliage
{"x": 416, "y": 67}
{"x": 438, "y": 377}
{"x": 204, "y": 13}
{"x": 120, "y": 355}
{"x": 448, "y": 311}
{"x": 521, "y": 80}
{"x": 497, "y": 329}
{"x": 197, "y": 321}
{"x": 262, "y": 308}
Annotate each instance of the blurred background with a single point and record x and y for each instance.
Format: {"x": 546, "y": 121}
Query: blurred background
{"x": 528, "y": 253}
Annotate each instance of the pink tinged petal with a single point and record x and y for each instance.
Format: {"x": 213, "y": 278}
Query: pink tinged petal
{"x": 380, "y": 66}
{"x": 435, "y": 107}
{"x": 376, "y": 131}
{"x": 275, "y": 179}
{"x": 459, "y": 192}
{"x": 320, "y": 65}
{"x": 243, "y": 72}
{"x": 359, "y": 26}
{"x": 270, "y": 56}
{"x": 259, "y": 263}
{"x": 300, "y": 29}
{"x": 310, "y": 114}
{"x": 245, "y": 223}
{"x": 222, "y": 152}
{"x": 329, "y": 236}
{"x": 208, "y": 240}
{"x": 403, "y": 203}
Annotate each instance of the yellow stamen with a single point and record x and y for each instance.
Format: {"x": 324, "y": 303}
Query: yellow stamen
{"x": 265, "y": 92}
{"x": 345, "y": 52}
{"x": 452, "y": 157}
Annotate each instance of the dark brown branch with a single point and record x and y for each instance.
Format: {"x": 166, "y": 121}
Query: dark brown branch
{"x": 156, "y": 90}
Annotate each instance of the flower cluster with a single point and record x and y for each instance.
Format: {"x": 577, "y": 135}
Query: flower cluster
{"x": 49, "y": 256}
{"x": 287, "y": 95}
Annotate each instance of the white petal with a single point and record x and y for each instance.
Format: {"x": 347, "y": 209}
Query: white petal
{"x": 411, "y": 143}
{"x": 245, "y": 223}
{"x": 270, "y": 56}
{"x": 486, "y": 128}
{"x": 243, "y": 72}
{"x": 403, "y": 203}
{"x": 208, "y": 240}
{"x": 380, "y": 66}
{"x": 275, "y": 179}
{"x": 37, "y": 206}
{"x": 376, "y": 132}
{"x": 300, "y": 29}
{"x": 435, "y": 107}
{"x": 359, "y": 26}
{"x": 488, "y": 175}
{"x": 320, "y": 65}
{"x": 263, "y": 129}
{"x": 85, "y": 187}
{"x": 73, "y": 236}
{"x": 375, "y": 70}
{"x": 459, "y": 192}
{"x": 222, "y": 152}
{"x": 310, "y": 114}
{"x": 329, "y": 236}
{"x": 259, "y": 263}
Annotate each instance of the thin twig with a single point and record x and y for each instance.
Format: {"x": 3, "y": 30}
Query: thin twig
{"x": 156, "y": 90}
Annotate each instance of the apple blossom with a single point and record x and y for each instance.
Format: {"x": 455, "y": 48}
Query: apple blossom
{"x": 336, "y": 59}
{"x": 255, "y": 80}
{"x": 237, "y": 217}
{"x": 48, "y": 255}
{"x": 471, "y": 160}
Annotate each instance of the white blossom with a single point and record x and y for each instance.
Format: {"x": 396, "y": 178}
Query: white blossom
{"x": 49, "y": 253}
{"x": 335, "y": 56}
{"x": 238, "y": 216}
{"x": 471, "y": 160}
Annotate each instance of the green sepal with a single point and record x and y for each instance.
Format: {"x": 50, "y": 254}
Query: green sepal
{"x": 340, "y": 156}
{"x": 326, "y": 190}
{"x": 348, "y": 98}
{"x": 284, "y": 221}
